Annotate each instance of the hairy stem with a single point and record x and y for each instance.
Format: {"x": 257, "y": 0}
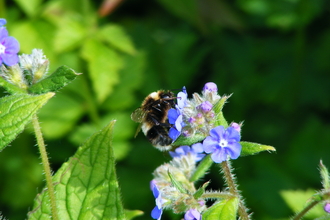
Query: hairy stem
{"x": 46, "y": 166}
{"x": 230, "y": 181}
{"x": 305, "y": 210}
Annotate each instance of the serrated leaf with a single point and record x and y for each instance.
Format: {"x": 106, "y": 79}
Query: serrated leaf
{"x": 298, "y": 199}
{"x": 224, "y": 210}
{"x": 116, "y": 36}
{"x": 249, "y": 148}
{"x": 60, "y": 78}
{"x": 70, "y": 33}
{"x": 103, "y": 65}
{"x": 86, "y": 186}
{"x": 15, "y": 112}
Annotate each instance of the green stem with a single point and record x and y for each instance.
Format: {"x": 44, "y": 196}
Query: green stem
{"x": 46, "y": 166}
{"x": 230, "y": 181}
{"x": 305, "y": 210}
{"x": 202, "y": 168}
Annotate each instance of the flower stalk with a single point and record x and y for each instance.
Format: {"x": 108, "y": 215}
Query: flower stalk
{"x": 230, "y": 181}
{"x": 46, "y": 166}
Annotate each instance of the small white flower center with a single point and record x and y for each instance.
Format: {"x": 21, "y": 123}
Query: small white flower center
{"x": 2, "y": 49}
{"x": 223, "y": 143}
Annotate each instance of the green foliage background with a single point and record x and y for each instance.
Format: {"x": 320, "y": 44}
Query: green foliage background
{"x": 272, "y": 55}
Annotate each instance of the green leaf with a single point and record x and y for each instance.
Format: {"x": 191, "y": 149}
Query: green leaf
{"x": 60, "y": 78}
{"x": 15, "y": 112}
{"x": 104, "y": 65}
{"x": 86, "y": 186}
{"x": 188, "y": 141}
{"x": 201, "y": 190}
{"x": 220, "y": 119}
{"x": 249, "y": 148}
{"x": 29, "y": 7}
{"x": 224, "y": 210}
{"x": 130, "y": 214}
{"x": 324, "y": 176}
{"x": 10, "y": 87}
{"x": 70, "y": 33}
{"x": 116, "y": 36}
{"x": 298, "y": 199}
{"x": 34, "y": 34}
{"x": 202, "y": 168}
{"x": 177, "y": 184}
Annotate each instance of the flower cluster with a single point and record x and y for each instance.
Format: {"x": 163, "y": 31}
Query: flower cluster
{"x": 197, "y": 116}
{"x": 171, "y": 186}
{"x": 9, "y": 46}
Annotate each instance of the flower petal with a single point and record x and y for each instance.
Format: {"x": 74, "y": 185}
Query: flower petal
{"x": 210, "y": 144}
{"x": 173, "y": 133}
{"x": 219, "y": 155}
{"x": 217, "y": 132}
{"x": 192, "y": 214}
{"x": 156, "y": 213}
{"x": 232, "y": 134}
{"x": 3, "y": 34}
{"x": 172, "y": 115}
{"x": 197, "y": 148}
{"x": 234, "y": 150}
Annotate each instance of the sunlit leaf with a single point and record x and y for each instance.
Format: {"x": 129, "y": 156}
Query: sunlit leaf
{"x": 86, "y": 186}
{"x": 116, "y": 36}
{"x": 249, "y": 148}
{"x": 60, "y": 78}
{"x": 104, "y": 65}
{"x": 15, "y": 112}
{"x": 298, "y": 199}
{"x": 225, "y": 210}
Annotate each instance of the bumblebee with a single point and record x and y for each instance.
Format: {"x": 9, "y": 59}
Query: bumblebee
{"x": 153, "y": 118}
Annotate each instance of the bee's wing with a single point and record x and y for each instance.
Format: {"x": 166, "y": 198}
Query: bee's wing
{"x": 138, "y": 115}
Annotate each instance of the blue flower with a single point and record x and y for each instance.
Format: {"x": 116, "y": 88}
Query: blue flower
{"x": 175, "y": 118}
{"x": 9, "y": 48}
{"x": 223, "y": 143}
{"x": 2, "y": 22}
{"x": 175, "y": 115}
{"x": 157, "y": 212}
{"x": 196, "y": 150}
{"x": 192, "y": 214}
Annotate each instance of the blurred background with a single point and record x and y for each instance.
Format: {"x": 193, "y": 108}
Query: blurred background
{"x": 273, "y": 56}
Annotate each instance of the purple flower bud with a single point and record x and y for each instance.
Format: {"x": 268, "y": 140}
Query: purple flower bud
{"x": 192, "y": 214}
{"x": 205, "y": 106}
{"x": 210, "y": 87}
{"x": 236, "y": 126}
{"x": 327, "y": 207}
